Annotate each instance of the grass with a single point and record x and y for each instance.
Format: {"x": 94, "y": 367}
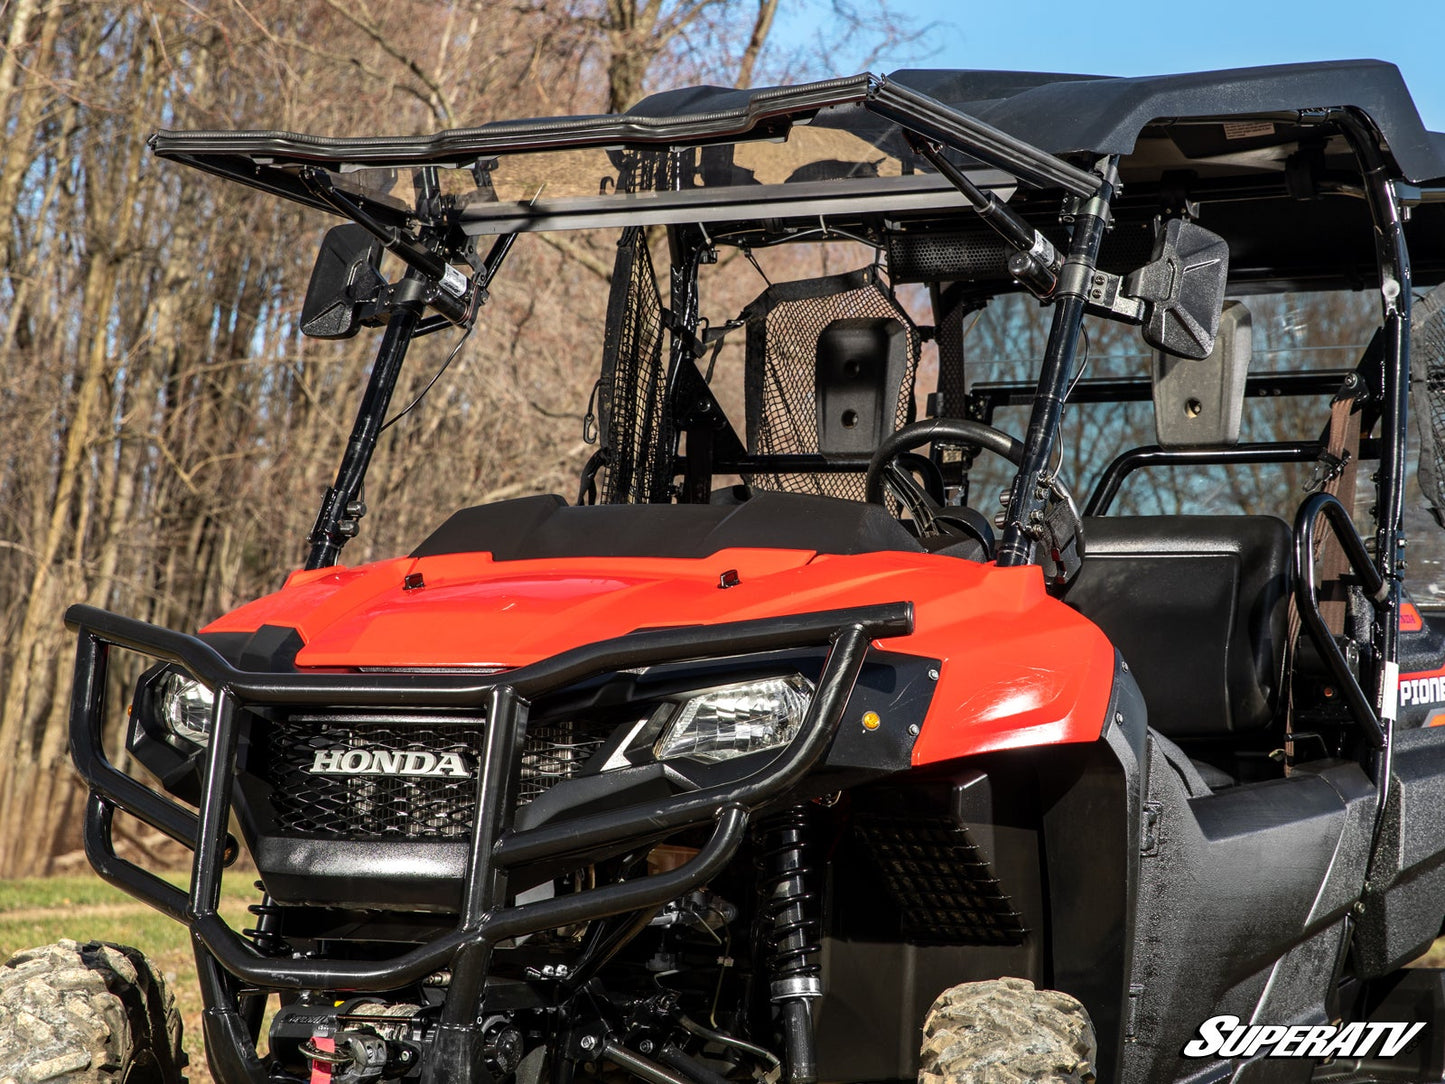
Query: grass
{"x": 38, "y": 911}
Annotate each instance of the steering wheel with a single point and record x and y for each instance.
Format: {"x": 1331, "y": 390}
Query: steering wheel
{"x": 1062, "y": 536}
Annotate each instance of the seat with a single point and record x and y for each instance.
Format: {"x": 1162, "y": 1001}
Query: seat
{"x": 1198, "y": 607}
{"x": 830, "y": 368}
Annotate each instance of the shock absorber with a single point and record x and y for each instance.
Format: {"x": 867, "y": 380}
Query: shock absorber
{"x": 791, "y": 927}
{"x": 267, "y": 936}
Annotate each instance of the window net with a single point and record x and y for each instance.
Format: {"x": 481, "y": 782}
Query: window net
{"x": 633, "y": 418}
{"x": 1427, "y": 370}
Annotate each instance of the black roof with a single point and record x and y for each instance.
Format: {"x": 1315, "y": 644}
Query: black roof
{"x": 1062, "y": 113}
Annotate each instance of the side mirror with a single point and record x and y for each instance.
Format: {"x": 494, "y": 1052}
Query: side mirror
{"x": 1182, "y": 289}
{"x": 1200, "y": 403}
{"x": 346, "y": 283}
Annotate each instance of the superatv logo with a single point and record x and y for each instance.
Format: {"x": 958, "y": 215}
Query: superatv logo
{"x": 388, "y": 762}
{"x": 1225, "y": 1037}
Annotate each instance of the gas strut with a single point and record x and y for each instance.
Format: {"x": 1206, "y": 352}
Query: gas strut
{"x": 1035, "y": 261}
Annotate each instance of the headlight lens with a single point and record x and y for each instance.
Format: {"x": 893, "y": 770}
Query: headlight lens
{"x": 733, "y": 720}
{"x": 184, "y": 706}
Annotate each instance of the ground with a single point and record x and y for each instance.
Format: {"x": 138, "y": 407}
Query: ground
{"x": 41, "y": 910}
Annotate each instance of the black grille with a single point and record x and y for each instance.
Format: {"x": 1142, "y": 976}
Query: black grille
{"x": 980, "y": 255}
{"x": 551, "y": 753}
{"x": 369, "y": 806}
{"x": 944, "y": 888}
{"x": 399, "y": 807}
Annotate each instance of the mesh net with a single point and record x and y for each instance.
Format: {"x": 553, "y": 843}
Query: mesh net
{"x": 1427, "y": 371}
{"x": 635, "y": 424}
{"x": 783, "y": 327}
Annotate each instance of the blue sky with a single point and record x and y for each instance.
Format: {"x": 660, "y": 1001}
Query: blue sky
{"x": 1147, "y": 37}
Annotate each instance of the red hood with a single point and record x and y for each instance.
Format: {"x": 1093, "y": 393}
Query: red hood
{"x": 1014, "y": 661}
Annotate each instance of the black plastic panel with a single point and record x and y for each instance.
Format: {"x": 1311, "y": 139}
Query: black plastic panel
{"x": 1405, "y": 906}
{"x": 531, "y": 528}
{"x": 1242, "y": 904}
{"x": 1197, "y": 605}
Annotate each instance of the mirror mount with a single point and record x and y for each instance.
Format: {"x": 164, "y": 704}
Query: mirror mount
{"x": 1177, "y": 296}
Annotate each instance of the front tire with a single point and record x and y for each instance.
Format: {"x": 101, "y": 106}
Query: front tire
{"x": 1003, "y": 1031}
{"x": 92, "y": 1013}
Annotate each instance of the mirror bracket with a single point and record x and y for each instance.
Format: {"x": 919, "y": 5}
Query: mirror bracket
{"x": 1177, "y": 296}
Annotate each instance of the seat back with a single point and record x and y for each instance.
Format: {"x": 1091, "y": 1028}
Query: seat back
{"x": 1198, "y": 607}
{"x": 829, "y": 370}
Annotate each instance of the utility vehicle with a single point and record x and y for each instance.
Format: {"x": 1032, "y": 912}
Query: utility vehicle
{"x": 793, "y": 749}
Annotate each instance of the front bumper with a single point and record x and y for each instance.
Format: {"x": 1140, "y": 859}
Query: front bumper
{"x": 496, "y": 845}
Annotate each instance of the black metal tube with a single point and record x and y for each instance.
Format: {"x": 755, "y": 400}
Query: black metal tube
{"x": 1151, "y": 455}
{"x": 328, "y": 536}
{"x": 1035, "y": 262}
{"x": 641, "y": 1067}
{"x": 1306, "y": 602}
{"x": 220, "y": 773}
{"x": 87, "y": 752}
{"x": 230, "y": 1050}
{"x": 805, "y": 463}
{"x": 1392, "y": 256}
{"x": 1026, "y": 498}
{"x": 679, "y": 1062}
{"x": 985, "y": 398}
{"x": 240, "y": 959}
{"x": 850, "y": 631}
{"x": 931, "y": 118}
{"x": 127, "y": 876}
{"x": 486, "y": 882}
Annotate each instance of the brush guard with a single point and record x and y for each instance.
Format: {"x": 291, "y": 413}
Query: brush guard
{"x": 495, "y": 845}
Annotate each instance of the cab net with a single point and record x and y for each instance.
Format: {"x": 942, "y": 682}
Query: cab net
{"x": 634, "y": 423}
{"x": 1427, "y": 371}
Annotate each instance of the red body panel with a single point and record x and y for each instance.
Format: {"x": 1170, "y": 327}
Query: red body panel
{"x": 1018, "y": 667}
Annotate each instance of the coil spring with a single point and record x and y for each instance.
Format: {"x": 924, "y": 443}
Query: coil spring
{"x": 791, "y": 926}
{"x": 265, "y": 936}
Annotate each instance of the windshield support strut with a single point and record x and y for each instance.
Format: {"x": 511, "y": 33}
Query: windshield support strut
{"x": 342, "y": 508}
{"x": 1024, "y": 524}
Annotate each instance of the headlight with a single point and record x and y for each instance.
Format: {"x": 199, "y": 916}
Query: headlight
{"x": 184, "y": 707}
{"x": 732, "y": 720}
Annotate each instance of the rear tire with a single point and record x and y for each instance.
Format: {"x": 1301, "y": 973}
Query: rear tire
{"x": 91, "y": 1013}
{"x": 1003, "y": 1031}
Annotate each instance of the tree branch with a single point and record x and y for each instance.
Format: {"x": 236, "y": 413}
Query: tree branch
{"x": 761, "y": 27}
{"x": 441, "y": 103}
{"x": 574, "y": 251}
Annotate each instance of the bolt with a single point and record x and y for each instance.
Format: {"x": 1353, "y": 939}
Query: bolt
{"x": 1119, "y": 717}
{"x": 645, "y": 1046}
{"x": 913, "y": 729}
{"x": 1124, "y": 666}
{"x": 932, "y": 673}
{"x": 587, "y": 1042}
